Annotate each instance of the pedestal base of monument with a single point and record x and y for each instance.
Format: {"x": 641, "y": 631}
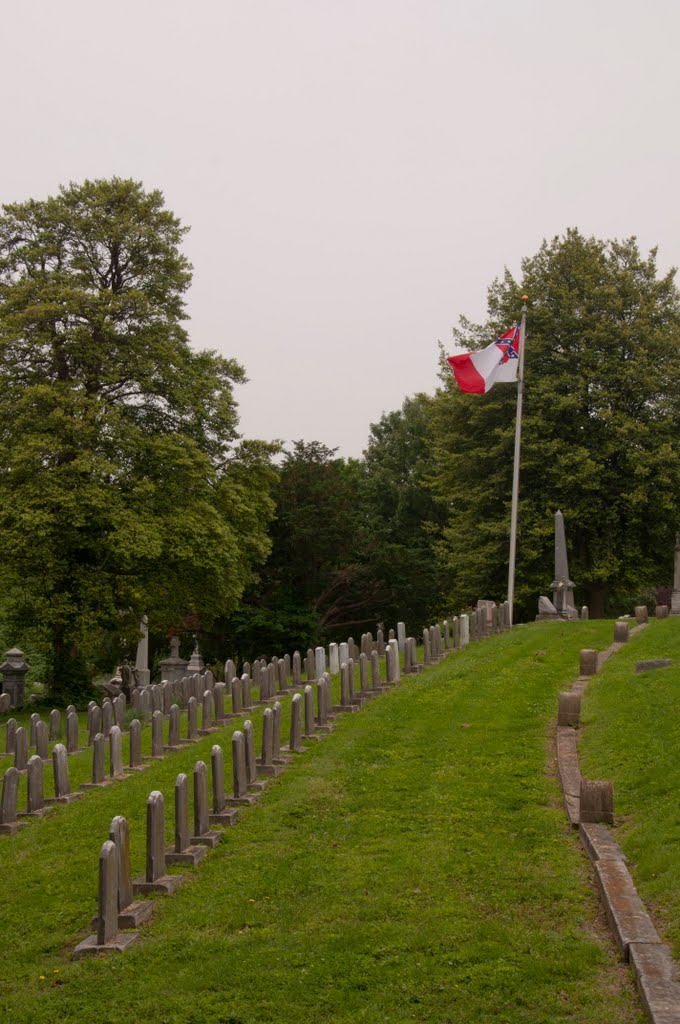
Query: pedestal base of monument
{"x": 191, "y": 856}
{"x": 131, "y": 916}
{"x": 118, "y": 944}
{"x": 165, "y": 884}
{"x": 225, "y": 818}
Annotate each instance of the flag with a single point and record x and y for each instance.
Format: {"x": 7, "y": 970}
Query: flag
{"x": 477, "y": 372}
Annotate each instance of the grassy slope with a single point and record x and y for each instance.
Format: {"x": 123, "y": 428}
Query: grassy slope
{"x": 407, "y": 868}
{"x": 632, "y": 735}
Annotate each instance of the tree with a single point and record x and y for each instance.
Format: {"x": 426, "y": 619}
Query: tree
{"x": 402, "y": 517}
{"x": 123, "y": 486}
{"x": 599, "y": 438}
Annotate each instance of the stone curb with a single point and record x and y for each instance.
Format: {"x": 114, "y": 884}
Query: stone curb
{"x": 632, "y": 928}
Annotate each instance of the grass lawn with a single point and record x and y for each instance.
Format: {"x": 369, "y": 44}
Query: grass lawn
{"x": 416, "y": 865}
{"x": 631, "y": 735}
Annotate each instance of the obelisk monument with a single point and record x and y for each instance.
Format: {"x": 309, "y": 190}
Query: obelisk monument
{"x": 562, "y": 586}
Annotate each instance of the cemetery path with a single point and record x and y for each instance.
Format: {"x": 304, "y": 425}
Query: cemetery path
{"x": 415, "y": 866}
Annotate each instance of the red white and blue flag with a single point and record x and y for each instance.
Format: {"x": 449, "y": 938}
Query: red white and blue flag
{"x": 477, "y": 372}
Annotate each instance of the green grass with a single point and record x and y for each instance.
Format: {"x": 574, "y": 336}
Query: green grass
{"x": 413, "y": 866}
{"x": 631, "y": 735}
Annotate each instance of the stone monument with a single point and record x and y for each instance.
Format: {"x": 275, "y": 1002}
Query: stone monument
{"x": 174, "y": 667}
{"x": 675, "y": 596}
{"x": 14, "y": 670}
{"x": 142, "y": 660}
{"x": 562, "y": 604}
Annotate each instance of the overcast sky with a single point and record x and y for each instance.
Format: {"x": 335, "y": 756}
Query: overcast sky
{"x": 355, "y": 172}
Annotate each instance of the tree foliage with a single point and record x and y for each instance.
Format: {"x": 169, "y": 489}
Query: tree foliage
{"x": 124, "y": 487}
{"x": 599, "y": 438}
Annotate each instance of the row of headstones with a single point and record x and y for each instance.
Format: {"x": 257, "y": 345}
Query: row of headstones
{"x": 118, "y": 909}
{"x": 36, "y": 802}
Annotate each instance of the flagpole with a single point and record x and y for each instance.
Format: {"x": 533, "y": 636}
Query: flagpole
{"x": 515, "y": 467}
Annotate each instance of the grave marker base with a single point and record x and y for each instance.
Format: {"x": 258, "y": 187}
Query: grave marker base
{"x": 242, "y": 801}
{"x": 191, "y": 856}
{"x": 269, "y": 770}
{"x": 348, "y": 708}
{"x": 209, "y": 839}
{"x": 165, "y": 884}
{"x": 34, "y": 814}
{"x": 224, "y": 818}
{"x": 132, "y": 916}
{"x": 208, "y": 732}
{"x": 11, "y": 828}
{"x": 96, "y": 785}
{"x": 68, "y": 799}
{"x": 90, "y": 945}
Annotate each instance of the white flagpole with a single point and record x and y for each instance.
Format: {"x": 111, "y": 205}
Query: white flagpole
{"x": 515, "y": 467}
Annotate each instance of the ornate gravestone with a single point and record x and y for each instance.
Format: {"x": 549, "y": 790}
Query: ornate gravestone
{"x": 174, "y": 667}
{"x": 14, "y": 670}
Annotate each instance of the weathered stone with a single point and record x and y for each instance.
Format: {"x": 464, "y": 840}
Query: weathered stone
{"x": 380, "y": 643}
{"x": 585, "y": 613}
{"x": 282, "y": 676}
{"x": 94, "y": 723}
{"x": 10, "y": 737}
{"x": 246, "y": 693}
{"x": 427, "y": 653}
{"x": 236, "y": 696}
{"x": 219, "y": 695}
{"x": 203, "y": 836}
{"x": 240, "y": 775}
{"x": 72, "y": 732}
{"x": 130, "y": 913}
{"x": 267, "y": 737}
{"x": 21, "y": 749}
{"x": 251, "y": 760}
{"x": 5, "y": 703}
{"x": 108, "y": 717}
{"x": 295, "y": 744}
{"x": 310, "y": 669}
{"x": 363, "y": 674}
{"x": 174, "y": 740}
{"x": 62, "y": 787}
{"x": 41, "y": 740}
{"x": 641, "y": 614}
{"x": 8, "y": 803}
{"x": 119, "y": 709}
{"x": 155, "y": 878}
{"x": 376, "y": 681}
{"x": 297, "y": 669}
{"x": 333, "y": 659}
{"x": 309, "y": 711}
{"x": 35, "y": 799}
{"x": 569, "y": 711}
{"x": 98, "y": 763}
{"x": 107, "y": 938}
{"x": 136, "y": 744}
{"x": 192, "y": 720}
{"x": 464, "y": 624}
{"x": 229, "y": 671}
{"x": 319, "y": 661}
{"x": 14, "y": 670}
{"x": 157, "y": 736}
{"x": 395, "y": 658}
{"x": 183, "y": 852}
{"x": 621, "y": 632}
{"x": 647, "y": 666}
{"x": 662, "y": 611}
{"x": 596, "y": 801}
{"x": 116, "y": 753}
{"x": 32, "y": 722}
{"x": 588, "y": 662}
{"x": 55, "y": 725}
{"x": 207, "y": 726}
{"x": 345, "y": 701}
{"x": 221, "y": 814}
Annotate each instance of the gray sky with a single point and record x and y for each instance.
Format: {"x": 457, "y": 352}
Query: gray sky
{"x": 355, "y": 172}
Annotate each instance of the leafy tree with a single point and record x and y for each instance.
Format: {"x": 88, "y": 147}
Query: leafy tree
{"x": 599, "y": 440}
{"x": 401, "y": 517}
{"x": 123, "y": 486}
{"x": 304, "y": 593}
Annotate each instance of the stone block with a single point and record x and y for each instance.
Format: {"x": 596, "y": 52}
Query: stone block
{"x": 588, "y": 662}
{"x": 621, "y": 632}
{"x": 662, "y": 611}
{"x": 626, "y": 913}
{"x": 647, "y": 666}
{"x": 596, "y": 801}
{"x": 569, "y": 709}
{"x": 641, "y": 614}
